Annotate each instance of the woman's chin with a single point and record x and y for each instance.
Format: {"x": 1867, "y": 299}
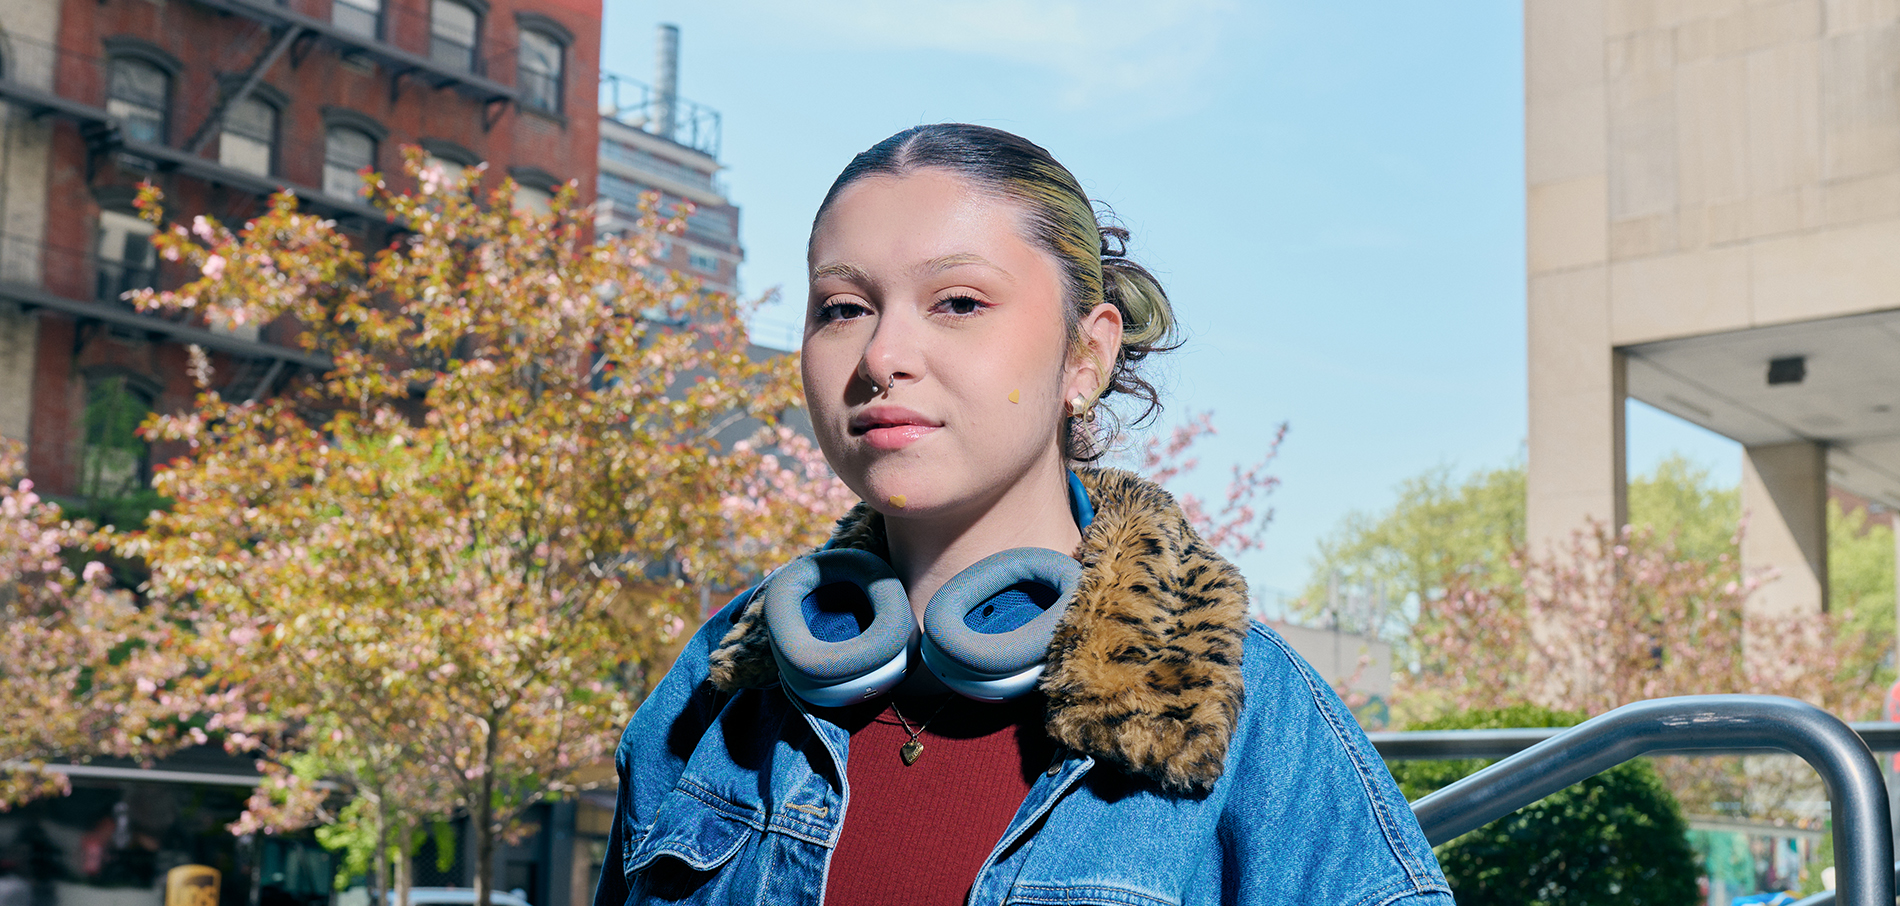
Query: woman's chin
{"x": 901, "y": 504}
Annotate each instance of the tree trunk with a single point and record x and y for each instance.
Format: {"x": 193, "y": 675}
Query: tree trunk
{"x": 379, "y": 859}
{"x": 404, "y": 866}
{"x": 483, "y": 819}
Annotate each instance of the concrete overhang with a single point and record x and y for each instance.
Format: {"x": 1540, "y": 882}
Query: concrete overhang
{"x": 1848, "y": 398}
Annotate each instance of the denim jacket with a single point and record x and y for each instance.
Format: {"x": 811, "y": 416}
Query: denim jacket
{"x": 1200, "y": 759}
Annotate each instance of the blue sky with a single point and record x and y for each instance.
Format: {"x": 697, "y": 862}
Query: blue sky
{"x": 1332, "y": 194}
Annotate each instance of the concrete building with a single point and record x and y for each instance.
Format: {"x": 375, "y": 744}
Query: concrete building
{"x": 1714, "y": 229}
{"x": 1358, "y": 665}
{"x": 654, "y": 141}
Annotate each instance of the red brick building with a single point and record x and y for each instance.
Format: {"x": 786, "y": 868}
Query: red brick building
{"x": 219, "y": 103}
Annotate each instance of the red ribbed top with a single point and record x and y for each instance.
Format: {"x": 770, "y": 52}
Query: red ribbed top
{"x": 917, "y": 834}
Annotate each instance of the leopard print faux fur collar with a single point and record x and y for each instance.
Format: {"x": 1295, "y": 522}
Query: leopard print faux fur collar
{"x": 1144, "y": 671}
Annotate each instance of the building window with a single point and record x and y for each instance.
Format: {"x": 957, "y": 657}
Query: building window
{"x": 531, "y": 200}
{"x": 704, "y": 262}
{"x": 363, "y": 18}
{"x": 346, "y": 152}
{"x": 137, "y": 94}
{"x": 540, "y": 71}
{"x": 454, "y": 32}
{"x": 249, "y": 137}
{"x": 113, "y": 458}
{"x": 126, "y": 258}
{"x": 451, "y": 170}
{"x": 714, "y": 225}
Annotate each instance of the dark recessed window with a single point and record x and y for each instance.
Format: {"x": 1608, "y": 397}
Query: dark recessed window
{"x": 1790, "y": 370}
{"x": 137, "y": 94}
{"x": 113, "y": 461}
{"x": 540, "y": 71}
{"x": 454, "y": 33}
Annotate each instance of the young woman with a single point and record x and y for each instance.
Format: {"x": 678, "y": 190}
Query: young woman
{"x": 1008, "y": 678}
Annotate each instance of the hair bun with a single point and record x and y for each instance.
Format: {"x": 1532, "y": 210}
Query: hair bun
{"x": 1147, "y": 315}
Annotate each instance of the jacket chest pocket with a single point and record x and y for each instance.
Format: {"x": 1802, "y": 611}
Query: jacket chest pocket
{"x": 1083, "y": 895}
{"x": 682, "y": 857}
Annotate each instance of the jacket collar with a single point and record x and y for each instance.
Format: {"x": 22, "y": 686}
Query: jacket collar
{"x": 1144, "y": 669}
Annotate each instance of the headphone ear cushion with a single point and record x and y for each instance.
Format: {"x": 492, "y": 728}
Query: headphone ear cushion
{"x": 841, "y": 626}
{"x": 987, "y": 630}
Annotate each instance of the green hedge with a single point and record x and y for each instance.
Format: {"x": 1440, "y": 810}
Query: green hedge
{"x": 1618, "y": 837}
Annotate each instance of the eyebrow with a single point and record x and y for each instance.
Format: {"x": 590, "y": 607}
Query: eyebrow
{"x": 851, "y": 273}
{"x": 946, "y": 262}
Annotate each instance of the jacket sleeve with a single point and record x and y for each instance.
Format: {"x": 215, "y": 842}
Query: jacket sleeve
{"x": 656, "y": 745}
{"x": 1311, "y": 813}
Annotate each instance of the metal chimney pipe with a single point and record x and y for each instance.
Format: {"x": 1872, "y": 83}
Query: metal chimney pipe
{"x": 666, "y": 82}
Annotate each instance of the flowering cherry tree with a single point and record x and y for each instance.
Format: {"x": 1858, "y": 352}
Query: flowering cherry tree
{"x": 1240, "y": 523}
{"x": 1621, "y": 616}
{"x": 86, "y": 671}
{"x": 441, "y": 573}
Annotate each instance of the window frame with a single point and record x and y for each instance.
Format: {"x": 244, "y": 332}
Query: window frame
{"x": 438, "y": 150}
{"x": 479, "y": 11}
{"x": 113, "y": 275}
{"x": 144, "y": 395}
{"x": 272, "y": 143}
{"x": 133, "y": 52}
{"x": 379, "y": 17}
{"x": 344, "y": 118}
{"x": 534, "y": 180}
{"x": 547, "y": 29}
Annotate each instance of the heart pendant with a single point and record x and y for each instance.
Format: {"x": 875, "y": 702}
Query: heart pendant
{"x": 910, "y": 752}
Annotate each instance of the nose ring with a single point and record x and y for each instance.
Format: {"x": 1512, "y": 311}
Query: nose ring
{"x": 888, "y": 384}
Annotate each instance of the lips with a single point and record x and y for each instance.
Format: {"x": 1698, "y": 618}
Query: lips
{"x": 892, "y": 427}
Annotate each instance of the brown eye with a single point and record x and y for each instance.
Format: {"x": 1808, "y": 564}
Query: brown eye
{"x": 839, "y": 310}
{"x": 962, "y": 305}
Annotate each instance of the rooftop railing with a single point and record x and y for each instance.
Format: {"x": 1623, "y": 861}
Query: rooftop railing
{"x": 639, "y": 105}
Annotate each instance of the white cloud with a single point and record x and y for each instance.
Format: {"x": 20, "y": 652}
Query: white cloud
{"x": 1106, "y": 52}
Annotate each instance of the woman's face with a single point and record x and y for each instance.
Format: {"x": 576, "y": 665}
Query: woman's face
{"x": 935, "y": 358}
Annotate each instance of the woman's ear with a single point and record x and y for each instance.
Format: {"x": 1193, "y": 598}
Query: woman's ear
{"x": 1093, "y": 362}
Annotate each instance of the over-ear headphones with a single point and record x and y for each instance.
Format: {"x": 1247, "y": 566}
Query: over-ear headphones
{"x": 843, "y": 631}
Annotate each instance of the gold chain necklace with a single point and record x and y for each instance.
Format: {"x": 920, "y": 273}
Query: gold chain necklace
{"x": 913, "y": 750}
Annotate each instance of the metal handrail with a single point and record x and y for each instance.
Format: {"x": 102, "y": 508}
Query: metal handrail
{"x": 1863, "y": 847}
{"x": 1440, "y": 745}
{"x": 1826, "y": 897}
